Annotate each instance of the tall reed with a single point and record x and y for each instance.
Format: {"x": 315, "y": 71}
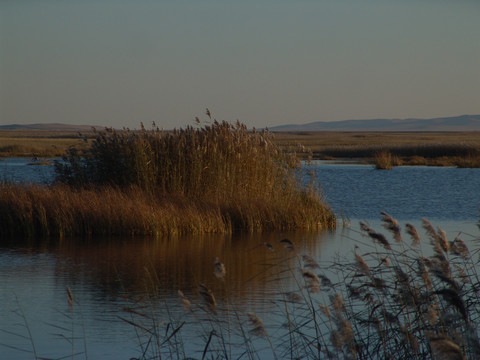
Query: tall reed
{"x": 220, "y": 160}
{"x": 216, "y": 178}
{"x": 397, "y": 300}
{"x": 384, "y": 160}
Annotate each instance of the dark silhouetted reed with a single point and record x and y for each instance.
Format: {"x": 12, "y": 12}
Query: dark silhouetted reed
{"x": 391, "y": 302}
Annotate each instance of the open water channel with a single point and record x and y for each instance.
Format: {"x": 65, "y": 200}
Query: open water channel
{"x": 113, "y": 281}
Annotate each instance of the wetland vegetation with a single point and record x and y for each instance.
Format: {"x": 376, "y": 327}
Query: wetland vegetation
{"x": 460, "y": 149}
{"x": 409, "y": 293}
{"x": 394, "y": 299}
{"x": 216, "y": 178}
{"x": 386, "y": 296}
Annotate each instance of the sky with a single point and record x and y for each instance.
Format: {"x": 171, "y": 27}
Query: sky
{"x": 263, "y": 62}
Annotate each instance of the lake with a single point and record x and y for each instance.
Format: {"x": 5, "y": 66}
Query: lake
{"x": 119, "y": 282}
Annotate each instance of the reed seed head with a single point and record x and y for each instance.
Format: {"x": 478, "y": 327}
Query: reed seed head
{"x": 70, "y": 298}
{"x": 391, "y": 224}
{"x": 362, "y": 265}
{"x": 209, "y": 298}
{"x": 185, "y": 302}
{"x": 257, "y": 324}
{"x": 412, "y": 231}
{"x": 444, "y": 348}
{"x": 309, "y": 262}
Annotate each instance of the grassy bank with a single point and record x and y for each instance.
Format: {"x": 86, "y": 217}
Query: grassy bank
{"x": 461, "y": 149}
{"x": 41, "y": 143}
{"x": 217, "y": 178}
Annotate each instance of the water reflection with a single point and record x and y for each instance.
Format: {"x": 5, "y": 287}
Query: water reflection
{"x": 138, "y": 266}
{"x": 110, "y": 275}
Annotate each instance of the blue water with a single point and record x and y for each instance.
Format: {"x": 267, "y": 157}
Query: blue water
{"x": 356, "y": 191}
{"x": 435, "y": 193}
{"x": 106, "y": 277}
{"x": 21, "y": 171}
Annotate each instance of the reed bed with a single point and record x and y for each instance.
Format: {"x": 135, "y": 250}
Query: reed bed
{"x": 216, "y": 178}
{"x": 398, "y": 300}
{"x": 459, "y": 155}
{"x": 384, "y": 160}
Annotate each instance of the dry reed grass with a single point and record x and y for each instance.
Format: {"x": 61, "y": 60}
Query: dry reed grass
{"x": 412, "y": 306}
{"x": 59, "y": 211}
{"x": 217, "y": 178}
{"x": 416, "y": 305}
{"x": 385, "y": 160}
{"x": 460, "y": 149}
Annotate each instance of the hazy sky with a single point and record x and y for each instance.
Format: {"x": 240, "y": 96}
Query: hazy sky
{"x": 119, "y": 62}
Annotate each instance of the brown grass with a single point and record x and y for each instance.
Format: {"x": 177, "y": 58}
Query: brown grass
{"x": 384, "y": 160}
{"x": 60, "y": 211}
{"x": 219, "y": 178}
{"x": 460, "y": 149}
{"x": 26, "y": 143}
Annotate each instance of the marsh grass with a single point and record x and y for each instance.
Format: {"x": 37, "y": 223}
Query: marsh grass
{"x": 36, "y": 211}
{"x": 40, "y": 144}
{"x": 384, "y": 160}
{"x": 413, "y": 148}
{"x": 396, "y": 299}
{"x": 216, "y": 178}
{"x": 461, "y": 149}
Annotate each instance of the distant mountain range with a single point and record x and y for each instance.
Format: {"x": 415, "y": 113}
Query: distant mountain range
{"x": 49, "y": 127}
{"x": 456, "y": 123}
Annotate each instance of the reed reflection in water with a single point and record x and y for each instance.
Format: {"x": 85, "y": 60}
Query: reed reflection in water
{"x": 131, "y": 267}
{"x": 106, "y": 277}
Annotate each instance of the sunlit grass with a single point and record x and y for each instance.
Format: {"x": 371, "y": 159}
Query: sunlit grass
{"x": 216, "y": 178}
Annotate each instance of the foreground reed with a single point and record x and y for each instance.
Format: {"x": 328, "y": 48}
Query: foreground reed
{"x": 398, "y": 300}
{"x": 394, "y": 297}
{"x": 217, "y": 178}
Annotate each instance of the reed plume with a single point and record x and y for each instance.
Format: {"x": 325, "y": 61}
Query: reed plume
{"x": 391, "y": 224}
{"x": 208, "y": 298}
{"x": 257, "y": 324}
{"x": 362, "y": 265}
{"x": 309, "y": 262}
{"x": 458, "y": 247}
{"x": 70, "y": 298}
{"x": 375, "y": 236}
{"x": 312, "y": 280}
{"x": 184, "y": 300}
{"x": 444, "y": 348}
{"x": 412, "y": 231}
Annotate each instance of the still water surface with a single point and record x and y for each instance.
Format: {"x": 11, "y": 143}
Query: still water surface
{"x": 107, "y": 277}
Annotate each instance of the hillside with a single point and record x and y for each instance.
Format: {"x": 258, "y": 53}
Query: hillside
{"x": 456, "y": 123}
{"x": 49, "y": 127}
